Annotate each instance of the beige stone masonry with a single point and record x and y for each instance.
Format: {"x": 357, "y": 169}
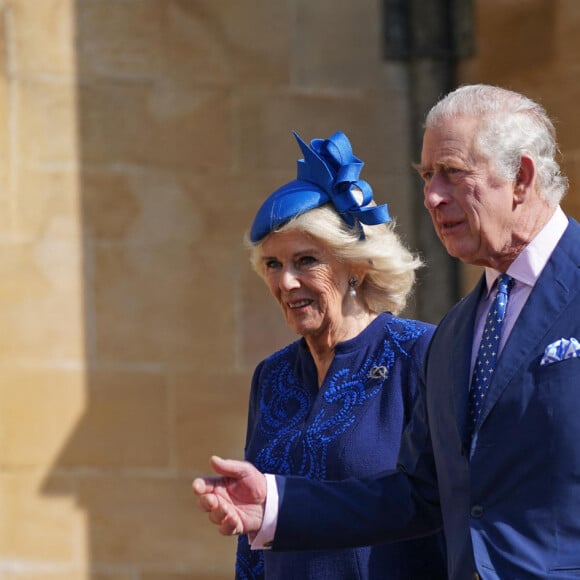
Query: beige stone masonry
{"x": 137, "y": 140}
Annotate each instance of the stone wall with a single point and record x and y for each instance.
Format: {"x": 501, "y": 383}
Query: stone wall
{"x": 137, "y": 139}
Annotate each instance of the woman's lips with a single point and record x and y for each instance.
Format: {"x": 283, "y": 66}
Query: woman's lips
{"x": 299, "y": 303}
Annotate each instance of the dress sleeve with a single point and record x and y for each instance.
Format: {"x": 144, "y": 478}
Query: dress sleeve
{"x": 249, "y": 563}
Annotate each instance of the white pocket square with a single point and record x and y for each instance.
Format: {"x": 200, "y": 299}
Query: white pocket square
{"x": 561, "y": 350}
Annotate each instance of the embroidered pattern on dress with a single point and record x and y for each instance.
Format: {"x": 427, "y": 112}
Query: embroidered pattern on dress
{"x": 298, "y": 446}
{"x": 285, "y": 404}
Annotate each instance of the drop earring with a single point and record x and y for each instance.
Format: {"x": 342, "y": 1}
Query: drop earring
{"x": 352, "y": 283}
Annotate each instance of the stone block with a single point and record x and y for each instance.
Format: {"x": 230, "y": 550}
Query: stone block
{"x": 258, "y": 38}
{"x": 34, "y": 528}
{"x": 41, "y": 301}
{"x": 47, "y": 204}
{"x": 54, "y": 573}
{"x": 168, "y": 303}
{"x": 47, "y": 128}
{"x": 150, "y": 206}
{"x": 39, "y": 407}
{"x": 515, "y": 33}
{"x": 208, "y": 43}
{"x": 337, "y": 46}
{"x": 141, "y": 206}
{"x": 43, "y": 37}
{"x": 110, "y": 203}
{"x": 561, "y": 105}
{"x": 172, "y": 126}
{"x": 120, "y": 39}
{"x": 193, "y": 575}
{"x": 6, "y": 154}
{"x": 374, "y": 124}
{"x": 63, "y": 572}
{"x": 566, "y": 23}
{"x": 149, "y": 523}
{"x": 124, "y": 424}
{"x": 218, "y": 44}
{"x": 209, "y": 415}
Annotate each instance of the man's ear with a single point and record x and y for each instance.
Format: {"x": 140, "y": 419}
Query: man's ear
{"x": 525, "y": 179}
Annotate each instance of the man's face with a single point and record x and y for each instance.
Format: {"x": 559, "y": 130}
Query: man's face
{"x": 471, "y": 207}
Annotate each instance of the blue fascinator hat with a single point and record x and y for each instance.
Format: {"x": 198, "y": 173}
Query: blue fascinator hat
{"x": 328, "y": 173}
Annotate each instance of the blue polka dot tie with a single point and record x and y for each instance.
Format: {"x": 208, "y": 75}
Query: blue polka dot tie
{"x": 488, "y": 349}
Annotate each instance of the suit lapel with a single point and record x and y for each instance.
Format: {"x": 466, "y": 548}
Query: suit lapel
{"x": 556, "y": 287}
{"x": 462, "y": 347}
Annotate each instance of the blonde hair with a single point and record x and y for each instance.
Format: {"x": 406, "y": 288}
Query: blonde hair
{"x": 388, "y": 264}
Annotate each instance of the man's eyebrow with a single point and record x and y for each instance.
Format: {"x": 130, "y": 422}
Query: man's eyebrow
{"x": 420, "y": 169}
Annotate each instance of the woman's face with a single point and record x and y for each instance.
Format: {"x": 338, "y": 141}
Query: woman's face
{"x": 308, "y": 283}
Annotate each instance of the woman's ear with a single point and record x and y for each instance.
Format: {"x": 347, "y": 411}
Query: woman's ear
{"x": 525, "y": 179}
{"x": 359, "y": 274}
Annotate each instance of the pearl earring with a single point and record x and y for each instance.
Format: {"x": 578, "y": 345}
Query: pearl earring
{"x": 352, "y": 283}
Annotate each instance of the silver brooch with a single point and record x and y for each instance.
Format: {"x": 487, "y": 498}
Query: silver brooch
{"x": 378, "y": 373}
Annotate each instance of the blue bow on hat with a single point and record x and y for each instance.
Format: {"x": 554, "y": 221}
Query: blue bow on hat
{"x": 328, "y": 173}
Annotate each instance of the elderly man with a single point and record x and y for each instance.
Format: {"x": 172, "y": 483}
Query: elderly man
{"x": 493, "y": 452}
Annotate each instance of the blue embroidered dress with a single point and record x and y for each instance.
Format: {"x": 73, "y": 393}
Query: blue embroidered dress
{"x": 351, "y": 426}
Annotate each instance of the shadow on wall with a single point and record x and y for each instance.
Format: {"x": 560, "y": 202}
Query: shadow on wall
{"x": 172, "y": 309}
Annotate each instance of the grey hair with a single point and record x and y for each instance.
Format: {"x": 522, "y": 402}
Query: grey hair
{"x": 389, "y": 265}
{"x": 512, "y": 126}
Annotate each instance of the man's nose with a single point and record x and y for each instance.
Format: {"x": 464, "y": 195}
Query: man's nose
{"x": 435, "y": 192}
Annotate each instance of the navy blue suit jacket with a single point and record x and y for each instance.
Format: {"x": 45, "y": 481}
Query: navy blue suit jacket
{"x": 509, "y": 501}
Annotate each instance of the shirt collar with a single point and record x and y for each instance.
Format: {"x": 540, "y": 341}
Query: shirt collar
{"x": 528, "y": 266}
